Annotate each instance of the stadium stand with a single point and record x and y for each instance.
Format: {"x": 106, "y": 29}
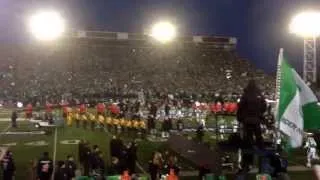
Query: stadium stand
{"x": 101, "y": 65}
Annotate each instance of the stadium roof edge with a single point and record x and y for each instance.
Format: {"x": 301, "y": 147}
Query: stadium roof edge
{"x": 107, "y": 35}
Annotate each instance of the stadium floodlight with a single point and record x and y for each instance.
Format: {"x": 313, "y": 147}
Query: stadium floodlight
{"x": 163, "y": 32}
{"x": 306, "y": 24}
{"x": 47, "y": 25}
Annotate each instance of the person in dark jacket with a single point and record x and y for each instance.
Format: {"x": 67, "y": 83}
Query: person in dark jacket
{"x": 200, "y": 133}
{"x": 44, "y": 167}
{"x": 8, "y": 166}
{"x": 116, "y": 147}
{"x": 95, "y": 156}
{"x": 80, "y": 151}
{"x": 115, "y": 167}
{"x": 14, "y": 118}
{"x": 252, "y": 106}
{"x": 153, "y": 110}
{"x": 61, "y": 172}
{"x": 167, "y": 109}
{"x": 87, "y": 156}
{"x": 131, "y": 157}
{"x": 71, "y": 166}
{"x": 99, "y": 168}
{"x": 151, "y": 124}
{"x": 166, "y": 127}
{"x": 203, "y": 171}
{"x": 155, "y": 165}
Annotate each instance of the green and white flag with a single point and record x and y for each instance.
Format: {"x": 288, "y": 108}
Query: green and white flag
{"x": 297, "y": 106}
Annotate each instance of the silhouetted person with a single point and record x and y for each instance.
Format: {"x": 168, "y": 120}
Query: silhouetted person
{"x": 115, "y": 167}
{"x": 252, "y": 106}
{"x": 14, "y": 118}
{"x": 203, "y": 171}
{"x": 44, "y": 167}
{"x": 87, "y": 159}
{"x": 200, "y": 133}
{"x": 81, "y": 151}
{"x": 61, "y": 172}
{"x": 8, "y": 166}
{"x": 70, "y": 166}
{"x": 116, "y": 147}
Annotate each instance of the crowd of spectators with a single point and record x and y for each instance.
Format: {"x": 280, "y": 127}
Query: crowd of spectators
{"x": 32, "y": 73}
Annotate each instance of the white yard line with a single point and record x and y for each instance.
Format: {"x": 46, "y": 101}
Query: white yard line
{"x": 5, "y": 130}
{"x": 54, "y": 151}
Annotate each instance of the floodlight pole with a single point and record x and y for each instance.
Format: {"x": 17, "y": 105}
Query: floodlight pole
{"x": 310, "y": 60}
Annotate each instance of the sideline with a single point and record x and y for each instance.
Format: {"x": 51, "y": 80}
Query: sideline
{"x": 54, "y": 151}
{"x": 137, "y": 163}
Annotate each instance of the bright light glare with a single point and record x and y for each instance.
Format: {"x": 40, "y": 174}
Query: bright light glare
{"x": 163, "y": 32}
{"x": 47, "y": 26}
{"x": 306, "y": 24}
{"x": 19, "y": 104}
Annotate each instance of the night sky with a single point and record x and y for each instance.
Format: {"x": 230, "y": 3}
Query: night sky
{"x": 261, "y": 26}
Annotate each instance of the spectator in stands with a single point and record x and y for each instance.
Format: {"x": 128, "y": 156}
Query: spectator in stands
{"x": 44, "y": 167}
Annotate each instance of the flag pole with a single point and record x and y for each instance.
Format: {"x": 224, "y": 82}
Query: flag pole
{"x": 277, "y": 97}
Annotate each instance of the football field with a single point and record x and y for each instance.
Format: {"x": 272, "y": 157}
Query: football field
{"x": 28, "y": 143}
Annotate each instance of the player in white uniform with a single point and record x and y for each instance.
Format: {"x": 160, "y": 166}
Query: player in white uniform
{"x": 311, "y": 147}
{"x": 222, "y": 126}
{"x": 235, "y": 126}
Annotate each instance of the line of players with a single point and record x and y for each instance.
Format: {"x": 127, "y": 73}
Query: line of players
{"x": 102, "y": 119}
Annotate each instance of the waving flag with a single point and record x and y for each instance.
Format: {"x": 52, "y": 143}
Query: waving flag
{"x": 297, "y": 108}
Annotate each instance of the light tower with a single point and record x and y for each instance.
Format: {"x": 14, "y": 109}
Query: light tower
{"x": 307, "y": 25}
